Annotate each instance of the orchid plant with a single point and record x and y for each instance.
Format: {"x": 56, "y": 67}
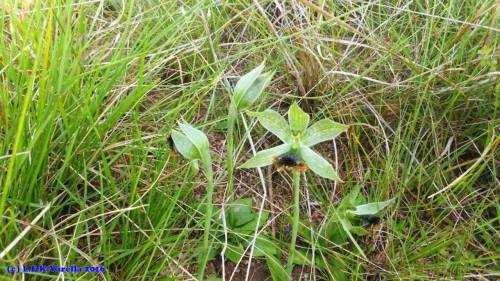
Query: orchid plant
{"x": 295, "y": 154}
{"x": 247, "y": 90}
{"x": 193, "y": 145}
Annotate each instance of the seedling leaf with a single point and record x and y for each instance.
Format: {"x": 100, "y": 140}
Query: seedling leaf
{"x": 240, "y": 213}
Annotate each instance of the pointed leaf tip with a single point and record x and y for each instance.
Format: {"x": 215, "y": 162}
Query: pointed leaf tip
{"x": 265, "y": 157}
{"x": 318, "y": 164}
{"x": 371, "y": 208}
{"x": 274, "y": 123}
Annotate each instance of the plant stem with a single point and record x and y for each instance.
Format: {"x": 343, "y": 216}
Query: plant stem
{"x": 233, "y": 114}
{"x": 295, "y": 221}
{"x": 208, "y": 218}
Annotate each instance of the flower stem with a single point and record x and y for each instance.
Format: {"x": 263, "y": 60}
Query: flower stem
{"x": 208, "y": 218}
{"x": 233, "y": 114}
{"x": 295, "y": 221}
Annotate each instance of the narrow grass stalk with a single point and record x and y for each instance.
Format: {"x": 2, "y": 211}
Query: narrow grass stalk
{"x": 208, "y": 219}
{"x": 232, "y": 115}
{"x": 295, "y": 221}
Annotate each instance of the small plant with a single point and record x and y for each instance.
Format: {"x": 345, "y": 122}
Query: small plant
{"x": 193, "y": 145}
{"x": 352, "y": 216}
{"x": 295, "y": 154}
{"x": 246, "y": 92}
{"x": 350, "y": 219}
{"x": 242, "y": 220}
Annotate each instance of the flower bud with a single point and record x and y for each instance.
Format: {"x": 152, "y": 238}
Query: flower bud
{"x": 251, "y": 86}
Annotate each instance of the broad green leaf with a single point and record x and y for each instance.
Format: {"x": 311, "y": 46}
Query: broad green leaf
{"x": 234, "y": 253}
{"x": 274, "y": 123}
{"x": 250, "y": 87}
{"x": 264, "y": 247}
{"x": 335, "y": 233}
{"x": 278, "y": 273}
{"x": 250, "y": 227}
{"x": 265, "y": 157}
{"x": 370, "y": 208}
{"x": 321, "y": 131}
{"x": 184, "y": 145}
{"x": 297, "y": 118}
{"x": 318, "y": 164}
{"x": 240, "y": 213}
{"x": 304, "y": 229}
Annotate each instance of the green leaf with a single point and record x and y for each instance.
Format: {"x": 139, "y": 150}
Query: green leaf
{"x": 352, "y": 199}
{"x": 335, "y": 233}
{"x": 250, "y": 227}
{"x": 255, "y": 90}
{"x": 240, "y": 213}
{"x": 297, "y": 118}
{"x": 234, "y": 253}
{"x": 321, "y": 131}
{"x": 318, "y": 164}
{"x": 265, "y": 157}
{"x": 347, "y": 226}
{"x": 246, "y": 81}
{"x": 300, "y": 258}
{"x": 250, "y": 87}
{"x": 305, "y": 258}
{"x": 304, "y": 229}
{"x": 274, "y": 123}
{"x": 264, "y": 247}
{"x": 358, "y": 230}
{"x": 195, "y": 167}
{"x": 197, "y": 137}
{"x": 185, "y": 146}
{"x": 278, "y": 273}
{"x": 213, "y": 252}
{"x": 200, "y": 141}
{"x": 370, "y": 208}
